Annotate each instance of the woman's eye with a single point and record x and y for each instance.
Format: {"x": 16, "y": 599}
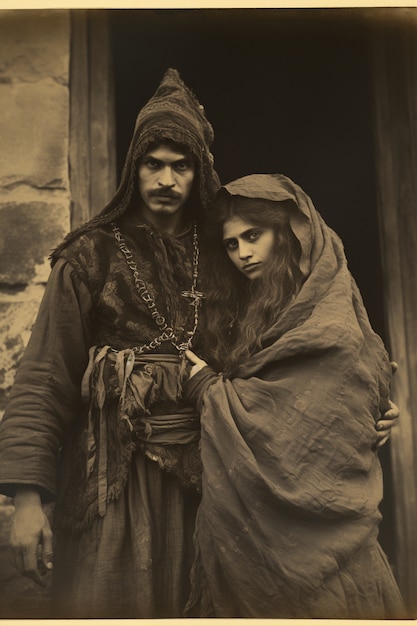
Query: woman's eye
{"x": 152, "y": 164}
{"x": 231, "y": 244}
{"x": 254, "y": 235}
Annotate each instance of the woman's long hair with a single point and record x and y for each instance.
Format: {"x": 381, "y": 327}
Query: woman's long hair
{"x": 239, "y": 310}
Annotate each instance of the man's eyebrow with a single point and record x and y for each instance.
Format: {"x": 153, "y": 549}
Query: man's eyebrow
{"x": 186, "y": 158}
{"x": 150, "y": 156}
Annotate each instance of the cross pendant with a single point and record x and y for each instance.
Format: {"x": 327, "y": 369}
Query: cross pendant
{"x": 196, "y": 296}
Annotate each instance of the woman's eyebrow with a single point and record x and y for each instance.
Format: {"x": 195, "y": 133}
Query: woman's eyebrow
{"x": 245, "y": 233}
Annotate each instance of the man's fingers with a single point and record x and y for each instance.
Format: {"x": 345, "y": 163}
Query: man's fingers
{"x": 193, "y": 358}
{"x": 32, "y": 563}
{"x": 382, "y": 425}
{"x": 47, "y": 551}
{"x": 393, "y": 412}
{"x": 31, "y": 539}
{"x": 28, "y": 561}
{"x": 381, "y": 442}
{"x": 16, "y": 559}
{"x": 394, "y": 366}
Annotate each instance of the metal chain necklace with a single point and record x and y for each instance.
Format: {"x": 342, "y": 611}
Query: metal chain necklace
{"x": 167, "y": 331}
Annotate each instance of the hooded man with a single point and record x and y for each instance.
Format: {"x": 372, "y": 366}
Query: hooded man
{"x": 122, "y": 304}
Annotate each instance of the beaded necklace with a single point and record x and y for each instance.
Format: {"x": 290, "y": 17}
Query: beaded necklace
{"x": 167, "y": 331}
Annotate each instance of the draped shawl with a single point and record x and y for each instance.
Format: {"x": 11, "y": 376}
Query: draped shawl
{"x": 291, "y": 480}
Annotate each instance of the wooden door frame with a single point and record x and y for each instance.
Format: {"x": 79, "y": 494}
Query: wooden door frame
{"x": 395, "y": 90}
{"x": 92, "y": 136}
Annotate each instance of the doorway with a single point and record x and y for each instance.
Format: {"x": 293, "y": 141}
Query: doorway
{"x": 286, "y": 90}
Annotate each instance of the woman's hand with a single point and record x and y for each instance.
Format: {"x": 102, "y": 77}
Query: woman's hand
{"x": 198, "y": 363}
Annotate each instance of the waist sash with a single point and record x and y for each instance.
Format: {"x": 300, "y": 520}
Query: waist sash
{"x": 145, "y": 391}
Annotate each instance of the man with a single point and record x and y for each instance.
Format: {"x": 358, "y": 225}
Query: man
{"x": 121, "y": 306}
{"x": 121, "y": 459}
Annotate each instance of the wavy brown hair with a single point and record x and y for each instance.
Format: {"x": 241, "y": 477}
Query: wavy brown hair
{"x": 239, "y": 311}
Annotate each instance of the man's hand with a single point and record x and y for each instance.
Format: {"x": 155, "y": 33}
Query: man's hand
{"x": 388, "y": 419}
{"x": 31, "y": 537}
{"x": 384, "y": 425}
{"x": 198, "y": 363}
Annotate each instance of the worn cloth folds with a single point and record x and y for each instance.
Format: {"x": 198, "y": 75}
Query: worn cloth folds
{"x": 127, "y": 399}
{"x": 288, "y": 523}
{"x": 127, "y": 445}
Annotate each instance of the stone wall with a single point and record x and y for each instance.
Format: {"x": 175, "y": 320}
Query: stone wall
{"x": 34, "y": 213}
{"x": 34, "y": 178}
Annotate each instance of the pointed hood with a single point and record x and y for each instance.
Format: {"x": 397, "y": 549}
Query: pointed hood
{"x": 173, "y": 114}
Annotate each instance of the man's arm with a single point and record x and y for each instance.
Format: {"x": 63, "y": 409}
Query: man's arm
{"x": 42, "y": 406}
{"x": 45, "y": 398}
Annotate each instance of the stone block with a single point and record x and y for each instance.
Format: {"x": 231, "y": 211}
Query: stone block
{"x": 34, "y": 45}
{"x": 34, "y": 135}
{"x": 17, "y": 315}
{"x": 28, "y": 234}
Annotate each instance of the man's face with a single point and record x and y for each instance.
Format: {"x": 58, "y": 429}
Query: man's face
{"x": 165, "y": 177}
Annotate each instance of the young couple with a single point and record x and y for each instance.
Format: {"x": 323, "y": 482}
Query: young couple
{"x": 201, "y": 395}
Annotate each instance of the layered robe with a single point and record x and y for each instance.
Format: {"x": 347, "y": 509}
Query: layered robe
{"x": 99, "y": 426}
{"x": 105, "y": 431}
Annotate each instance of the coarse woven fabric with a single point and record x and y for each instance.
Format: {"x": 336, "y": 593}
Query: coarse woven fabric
{"x": 288, "y": 523}
{"x": 46, "y": 438}
{"x": 135, "y": 561}
{"x": 173, "y": 114}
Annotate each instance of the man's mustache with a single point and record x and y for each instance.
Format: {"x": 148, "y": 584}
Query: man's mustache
{"x": 165, "y": 192}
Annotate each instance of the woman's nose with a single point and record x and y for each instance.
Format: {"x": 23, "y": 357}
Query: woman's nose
{"x": 244, "y": 250}
{"x": 166, "y": 177}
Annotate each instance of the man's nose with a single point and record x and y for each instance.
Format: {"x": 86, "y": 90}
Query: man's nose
{"x": 166, "y": 177}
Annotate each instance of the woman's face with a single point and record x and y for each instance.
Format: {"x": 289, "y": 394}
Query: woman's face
{"x": 249, "y": 247}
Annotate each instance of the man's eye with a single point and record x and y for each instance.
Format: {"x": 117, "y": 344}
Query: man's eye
{"x": 182, "y": 166}
{"x": 152, "y": 164}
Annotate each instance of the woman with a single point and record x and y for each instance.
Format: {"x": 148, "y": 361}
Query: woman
{"x": 288, "y": 523}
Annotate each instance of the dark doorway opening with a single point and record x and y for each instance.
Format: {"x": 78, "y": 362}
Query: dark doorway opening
{"x": 287, "y": 90}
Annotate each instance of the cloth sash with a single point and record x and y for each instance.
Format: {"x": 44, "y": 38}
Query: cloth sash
{"x": 141, "y": 390}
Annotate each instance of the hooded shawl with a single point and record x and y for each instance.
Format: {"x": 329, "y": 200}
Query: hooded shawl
{"x": 291, "y": 480}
